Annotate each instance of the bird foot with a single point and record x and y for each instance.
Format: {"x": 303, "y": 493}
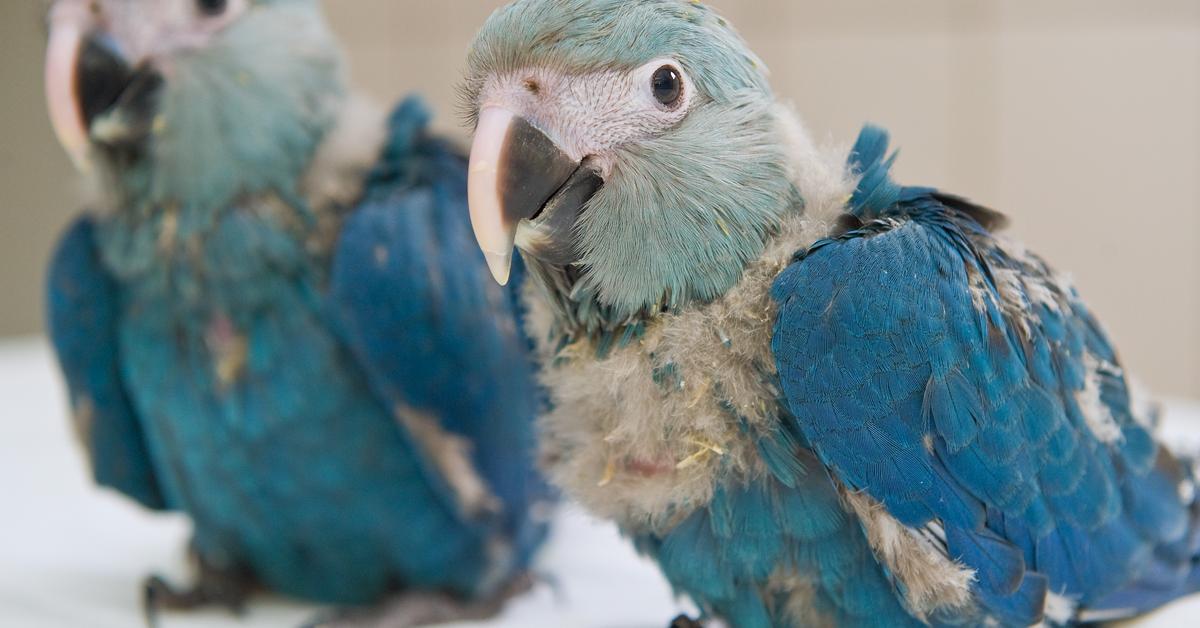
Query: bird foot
{"x": 221, "y": 587}
{"x": 683, "y": 621}
{"x": 411, "y": 609}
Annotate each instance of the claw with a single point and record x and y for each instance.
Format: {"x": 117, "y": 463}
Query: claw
{"x": 423, "y": 608}
{"x": 683, "y": 621}
{"x": 150, "y": 594}
{"x": 214, "y": 587}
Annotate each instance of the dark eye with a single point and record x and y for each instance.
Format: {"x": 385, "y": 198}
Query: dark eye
{"x": 667, "y": 85}
{"x": 212, "y": 7}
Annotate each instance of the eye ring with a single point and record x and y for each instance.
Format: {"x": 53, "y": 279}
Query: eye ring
{"x": 212, "y": 8}
{"x": 666, "y": 85}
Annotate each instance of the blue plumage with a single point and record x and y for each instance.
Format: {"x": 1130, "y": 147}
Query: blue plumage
{"x": 754, "y": 537}
{"x": 83, "y": 320}
{"x": 273, "y": 320}
{"x": 1006, "y": 416}
{"x": 813, "y": 395}
{"x": 434, "y": 331}
{"x": 321, "y": 418}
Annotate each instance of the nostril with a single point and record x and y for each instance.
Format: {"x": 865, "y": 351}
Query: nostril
{"x": 532, "y": 86}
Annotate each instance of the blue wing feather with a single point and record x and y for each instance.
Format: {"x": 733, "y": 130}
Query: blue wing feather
{"x": 945, "y": 376}
{"x": 726, "y": 555}
{"x": 82, "y": 307}
{"x": 412, "y": 296}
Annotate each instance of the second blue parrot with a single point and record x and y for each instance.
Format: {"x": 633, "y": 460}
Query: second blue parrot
{"x": 274, "y": 318}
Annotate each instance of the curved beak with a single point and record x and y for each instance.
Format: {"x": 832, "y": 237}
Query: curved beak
{"x": 62, "y": 54}
{"x": 93, "y": 93}
{"x": 515, "y": 171}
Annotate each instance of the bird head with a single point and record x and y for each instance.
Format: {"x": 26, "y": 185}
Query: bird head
{"x": 191, "y": 100}
{"x": 632, "y": 144}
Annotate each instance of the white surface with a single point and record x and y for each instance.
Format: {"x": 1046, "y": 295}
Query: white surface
{"x": 72, "y": 555}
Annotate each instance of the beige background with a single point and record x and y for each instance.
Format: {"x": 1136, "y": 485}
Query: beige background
{"x": 1079, "y": 118}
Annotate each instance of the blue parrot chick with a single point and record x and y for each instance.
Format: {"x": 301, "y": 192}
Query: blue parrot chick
{"x": 273, "y": 316}
{"x": 816, "y": 397}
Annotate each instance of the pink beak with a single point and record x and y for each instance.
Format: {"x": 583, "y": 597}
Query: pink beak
{"x": 494, "y": 232}
{"x": 68, "y": 25}
{"x": 515, "y": 171}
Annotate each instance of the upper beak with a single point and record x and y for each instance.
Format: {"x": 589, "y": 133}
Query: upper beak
{"x": 515, "y": 171}
{"x": 92, "y": 92}
{"x": 62, "y": 54}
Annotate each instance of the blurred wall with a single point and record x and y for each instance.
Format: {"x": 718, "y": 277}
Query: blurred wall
{"x": 1078, "y": 118}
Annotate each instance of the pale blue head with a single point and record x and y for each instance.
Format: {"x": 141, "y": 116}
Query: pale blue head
{"x": 629, "y": 147}
{"x": 191, "y": 102}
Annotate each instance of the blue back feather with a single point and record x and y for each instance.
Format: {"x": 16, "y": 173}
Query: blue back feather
{"x": 434, "y": 332}
{"x": 897, "y": 341}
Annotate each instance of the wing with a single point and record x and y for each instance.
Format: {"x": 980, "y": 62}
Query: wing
{"x": 729, "y": 555}
{"x": 437, "y": 337}
{"x": 959, "y": 382}
{"x": 82, "y": 306}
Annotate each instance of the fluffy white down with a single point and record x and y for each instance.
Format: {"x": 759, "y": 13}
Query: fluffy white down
{"x": 347, "y": 154}
{"x": 932, "y": 580}
{"x": 451, "y": 454}
{"x": 644, "y": 453}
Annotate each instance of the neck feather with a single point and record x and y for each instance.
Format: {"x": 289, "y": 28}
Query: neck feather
{"x": 806, "y": 183}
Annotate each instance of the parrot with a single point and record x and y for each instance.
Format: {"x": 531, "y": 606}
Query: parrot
{"x": 812, "y": 395}
{"x": 272, "y": 316}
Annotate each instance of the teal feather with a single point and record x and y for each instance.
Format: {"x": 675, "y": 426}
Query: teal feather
{"x": 739, "y": 189}
{"x": 581, "y": 36}
{"x": 242, "y": 115}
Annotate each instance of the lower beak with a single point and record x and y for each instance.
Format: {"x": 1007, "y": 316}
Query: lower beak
{"x": 516, "y": 173}
{"x": 92, "y": 92}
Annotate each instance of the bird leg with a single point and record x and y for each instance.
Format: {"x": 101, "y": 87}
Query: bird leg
{"x": 683, "y": 621}
{"x": 423, "y": 608}
{"x": 227, "y": 587}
